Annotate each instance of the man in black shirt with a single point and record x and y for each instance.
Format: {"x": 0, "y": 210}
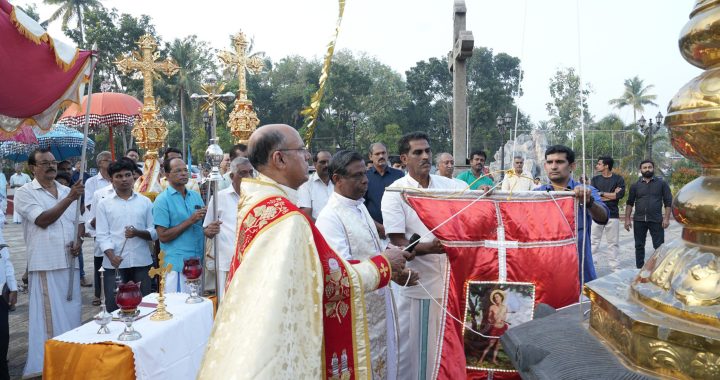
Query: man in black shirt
{"x": 612, "y": 188}
{"x": 380, "y": 176}
{"x": 648, "y": 195}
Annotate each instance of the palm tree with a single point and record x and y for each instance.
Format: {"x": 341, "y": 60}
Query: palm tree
{"x": 635, "y": 96}
{"x": 72, "y": 9}
{"x": 195, "y": 61}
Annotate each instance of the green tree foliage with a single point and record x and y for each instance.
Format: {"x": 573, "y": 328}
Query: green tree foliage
{"x": 31, "y": 10}
{"x": 567, "y": 105}
{"x": 70, "y": 10}
{"x": 635, "y": 95}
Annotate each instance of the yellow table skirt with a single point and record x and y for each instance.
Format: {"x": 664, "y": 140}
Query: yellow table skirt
{"x": 88, "y": 361}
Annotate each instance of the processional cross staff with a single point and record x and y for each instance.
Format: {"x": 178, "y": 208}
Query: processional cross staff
{"x": 214, "y": 153}
{"x": 243, "y": 119}
{"x": 150, "y": 130}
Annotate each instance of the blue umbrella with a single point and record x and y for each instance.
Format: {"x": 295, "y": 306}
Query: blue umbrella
{"x": 63, "y": 142}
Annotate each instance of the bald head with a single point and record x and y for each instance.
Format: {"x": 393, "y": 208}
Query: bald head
{"x": 277, "y": 151}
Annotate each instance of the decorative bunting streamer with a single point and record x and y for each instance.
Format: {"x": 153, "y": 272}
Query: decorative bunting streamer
{"x": 311, "y": 112}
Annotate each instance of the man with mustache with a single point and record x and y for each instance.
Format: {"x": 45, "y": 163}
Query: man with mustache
{"x": 419, "y": 316}
{"x": 380, "y": 176}
{"x": 97, "y": 182}
{"x": 49, "y": 211}
{"x": 647, "y": 196}
{"x": 559, "y": 165}
{"x": 314, "y": 194}
{"x": 476, "y": 176}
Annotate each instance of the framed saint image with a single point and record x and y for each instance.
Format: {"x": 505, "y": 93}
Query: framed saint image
{"x": 491, "y": 309}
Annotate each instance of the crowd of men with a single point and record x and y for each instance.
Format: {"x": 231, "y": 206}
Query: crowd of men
{"x": 343, "y": 211}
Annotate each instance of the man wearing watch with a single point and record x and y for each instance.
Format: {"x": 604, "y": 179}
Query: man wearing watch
{"x": 559, "y": 165}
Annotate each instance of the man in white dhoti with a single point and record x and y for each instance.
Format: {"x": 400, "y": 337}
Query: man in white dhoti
{"x": 347, "y": 226}
{"x": 49, "y": 211}
{"x": 224, "y": 226}
{"x": 419, "y": 315}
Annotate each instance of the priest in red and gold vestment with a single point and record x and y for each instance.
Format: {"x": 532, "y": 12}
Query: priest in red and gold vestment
{"x": 293, "y": 309}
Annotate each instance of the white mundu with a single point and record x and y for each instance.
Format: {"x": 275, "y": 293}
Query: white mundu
{"x": 349, "y": 229}
{"x": 419, "y": 316}
{"x": 50, "y": 313}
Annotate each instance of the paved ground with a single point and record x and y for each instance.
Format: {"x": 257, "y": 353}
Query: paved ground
{"x": 19, "y": 318}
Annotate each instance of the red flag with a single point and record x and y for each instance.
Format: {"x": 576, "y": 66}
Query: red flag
{"x": 505, "y": 256}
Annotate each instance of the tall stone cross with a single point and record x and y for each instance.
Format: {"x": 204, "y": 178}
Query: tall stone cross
{"x": 463, "y": 43}
{"x": 146, "y": 62}
{"x": 240, "y": 62}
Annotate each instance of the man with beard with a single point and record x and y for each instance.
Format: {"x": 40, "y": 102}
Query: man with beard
{"x": 647, "y": 196}
{"x": 380, "y": 176}
{"x": 612, "y": 188}
{"x": 419, "y": 316}
{"x": 559, "y": 165}
{"x": 347, "y": 226}
{"x": 178, "y": 214}
{"x": 476, "y": 176}
{"x": 294, "y": 308}
{"x": 49, "y": 211}
{"x": 314, "y": 194}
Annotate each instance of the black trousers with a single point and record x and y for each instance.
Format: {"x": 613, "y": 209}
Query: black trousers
{"x": 657, "y": 233}
{"x": 4, "y": 339}
{"x": 97, "y": 264}
{"x": 136, "y": 274}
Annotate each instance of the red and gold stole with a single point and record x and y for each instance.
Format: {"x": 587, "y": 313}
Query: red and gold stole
{"x": 342, "y": 310}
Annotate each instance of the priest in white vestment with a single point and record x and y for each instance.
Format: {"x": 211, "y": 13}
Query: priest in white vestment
{"x": 293, "y": 308}
{"x": 348, "y": 227}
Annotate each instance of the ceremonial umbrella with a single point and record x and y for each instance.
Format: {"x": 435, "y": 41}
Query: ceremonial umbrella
{"x": 63, "y": 142}
{"x": 24, "y": 135}
{"x": 107, "y": 109}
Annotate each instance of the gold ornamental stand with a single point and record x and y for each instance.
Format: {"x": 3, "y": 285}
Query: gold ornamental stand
{"x": 243, "y": 119}
{"x": 666, "y": 318}
{"x": 161, "y": 314}
{"x": 150, "y": 130}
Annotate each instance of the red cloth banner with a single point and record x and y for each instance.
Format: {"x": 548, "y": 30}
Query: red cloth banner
{"x": 529, "y": 238}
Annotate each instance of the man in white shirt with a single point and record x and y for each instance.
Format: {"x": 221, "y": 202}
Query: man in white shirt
{"x": 98, "y": 181}
{"x": 348, "y": 228}
{"x": 16, "y": 181}
{"x": 49, "y": 211}
{"x": 517, "y": 181}
{"x": 224, "y": 226}
{"x": 7, "y": 277}
{"x": 420, "y": 317}
{"x": 445, "y": 164}
{"x": 237, "y": 150}
{"x": 124, "y": 224}
{"x": 314, "y": 194}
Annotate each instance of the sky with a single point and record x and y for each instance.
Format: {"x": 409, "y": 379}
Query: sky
{"x": 606, "y": 41}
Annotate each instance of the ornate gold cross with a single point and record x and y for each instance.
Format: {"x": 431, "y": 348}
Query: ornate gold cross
{"x": 240, "y": 62}
{"x": 161, "y": 314}
{"x": 146, "y": 63}
{"x": 243, "y": 119}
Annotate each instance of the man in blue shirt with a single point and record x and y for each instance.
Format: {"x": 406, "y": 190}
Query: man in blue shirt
{"x": 380, "y": 176}
{"x": 178, "y": 214}
{"x": 559, "y": 165}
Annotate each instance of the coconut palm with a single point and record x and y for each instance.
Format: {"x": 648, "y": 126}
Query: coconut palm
{"x": 635, "y": 95}
{"x": 72, "y": 9}
{"x": 195, "y": 60}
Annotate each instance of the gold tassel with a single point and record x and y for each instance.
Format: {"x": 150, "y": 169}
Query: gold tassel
{"x": 45, "y": 37}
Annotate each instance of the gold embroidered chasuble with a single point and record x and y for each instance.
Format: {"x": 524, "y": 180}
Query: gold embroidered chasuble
{"x": 293, "y": 308}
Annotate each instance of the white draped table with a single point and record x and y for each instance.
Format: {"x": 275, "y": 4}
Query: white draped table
{"x": 167, "y": 350}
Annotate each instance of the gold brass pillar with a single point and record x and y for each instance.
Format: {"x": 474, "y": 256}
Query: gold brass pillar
{"x": 667, "y": 319}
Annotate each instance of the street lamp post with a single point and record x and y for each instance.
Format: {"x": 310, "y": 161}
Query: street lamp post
{"x": 353, "y": 119}
{"x": 502, "y": 123}
{"x": 649, "y": 130}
